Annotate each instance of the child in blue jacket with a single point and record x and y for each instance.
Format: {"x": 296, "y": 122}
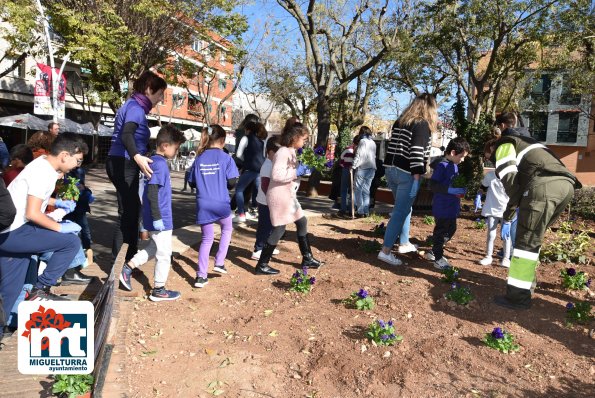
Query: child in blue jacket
{"x": 446, "y": 204}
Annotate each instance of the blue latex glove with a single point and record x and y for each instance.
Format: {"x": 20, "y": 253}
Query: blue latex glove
{"x": 505, "y": 232}
{"x": 303, "y": 170}
{"x": 457, "y": 191}
{"x": 69, "y": 227}
{"x": 477, "y": 202}
{"x": 91, "y": 198}
{"x": 67, "y": 205}
{"x": 414, "y": 189}
{"x": 158, "y": 225}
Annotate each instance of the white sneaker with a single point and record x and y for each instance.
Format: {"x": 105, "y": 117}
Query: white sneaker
{"x": 505, "y": 263}
{"x": 486, "y": 261}
{"x": 250, "y": 216}
{"x": 389, "y": 258}
{"x": 256, "y": 254}
{"x": 441, "y": 263}
{"x": 429, "y": 255}
{"x": 408, "y": 248}
{"x": 239, "y": 218}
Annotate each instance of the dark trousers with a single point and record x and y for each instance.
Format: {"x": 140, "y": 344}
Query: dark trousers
{"x": 124, "y": 174}
{"x": 16, "y": 248}
{"x": 80, "y": 218}
{"x": 278, "y": 231}
{"x": 263, "y": 231}
{"x": 444, "y": 230}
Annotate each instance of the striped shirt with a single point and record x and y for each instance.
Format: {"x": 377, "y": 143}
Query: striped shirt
{"x": 347, "y": 157}
{"x": 409, "y": 148}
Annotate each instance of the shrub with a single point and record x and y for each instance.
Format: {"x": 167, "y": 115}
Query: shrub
{"x": 72, "y": 386}
{"x": 371, "y": 246}
{"x": 583, "y": 203}
{"x": 568, "y": 246}
{"x": 450, "y": 274}
{"x": 480, "y": 224}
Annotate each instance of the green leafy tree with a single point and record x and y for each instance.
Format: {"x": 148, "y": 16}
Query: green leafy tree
{"x": 484, "y": 43}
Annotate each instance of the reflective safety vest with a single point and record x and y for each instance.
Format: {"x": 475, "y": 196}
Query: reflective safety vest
{"x": 521, "y": 163}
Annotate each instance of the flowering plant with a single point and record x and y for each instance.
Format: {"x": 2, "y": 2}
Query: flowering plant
{"x": 382, "y": 333}
{"x": 578, "y": 313}
{"x": 360, "y": 300}
{"x": 459, "y": 294}
{"x": 574, "y": 280}
{"x": 314, "y": 158}
{"x": 380, "y": 229}
{"x": 301, "y": 282}
{"x": 501, "y": 340}
{"x": 450, "y": 274}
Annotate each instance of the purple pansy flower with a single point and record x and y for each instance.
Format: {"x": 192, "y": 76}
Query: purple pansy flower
{"x": 319, "y": 150}
{"x": 329, "y": 164}
{"x": 498, "y": 333}
{"x": 312, "y": 280}
{"x": 384, "y": 337}
{"x": 300, "y": 151}
{"x": 588, "y": 284}
{"x": 305, "y": 270}
{"x": 390, "y": 323}
{"x": 362, "y": 293}
{"x": 570, "y": 271}
{"x": 381, "y": 323}
{"x": 569, "y": 306}
{"x": 300, "y": 280}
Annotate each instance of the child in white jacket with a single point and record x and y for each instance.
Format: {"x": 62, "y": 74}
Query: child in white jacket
{"x": 493, "y": 209}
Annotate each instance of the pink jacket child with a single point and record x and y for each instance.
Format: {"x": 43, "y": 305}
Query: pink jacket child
{"x": 282, "y": 193}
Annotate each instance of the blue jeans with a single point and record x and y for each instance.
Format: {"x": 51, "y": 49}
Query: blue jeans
{"x": 363, "y": 180}
{"x": 31, "y": 278}
{"x": 264, "y": 227}
{"x": 400, "y": 184}
{"x": 345, "y": 188}
{"x": 245, "y": 179}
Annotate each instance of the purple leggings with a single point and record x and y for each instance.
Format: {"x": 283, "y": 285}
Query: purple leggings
{"x": 208, "y": 235}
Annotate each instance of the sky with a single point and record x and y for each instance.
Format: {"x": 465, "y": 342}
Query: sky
{"x": 261, "y": 11}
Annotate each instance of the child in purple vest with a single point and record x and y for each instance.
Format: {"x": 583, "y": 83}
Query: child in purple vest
{"x": 446, "y": 204}
{"x": 213, "y": 174}
{"x": 157, "y": 217}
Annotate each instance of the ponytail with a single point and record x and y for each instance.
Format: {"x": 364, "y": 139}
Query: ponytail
{"x": 210, "y": 135}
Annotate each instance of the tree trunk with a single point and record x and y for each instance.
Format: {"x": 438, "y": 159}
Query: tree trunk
{"x": 324, "y": 118}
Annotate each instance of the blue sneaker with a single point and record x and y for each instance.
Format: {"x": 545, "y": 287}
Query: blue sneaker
{"x": 162, "y": 294}
{"x": 126, "y": 277}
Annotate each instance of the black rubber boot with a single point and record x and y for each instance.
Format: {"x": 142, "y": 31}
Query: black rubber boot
{"x": 515, "y": 299}
{"x": 262, "y": 267}
{"x": 308, "y": 259}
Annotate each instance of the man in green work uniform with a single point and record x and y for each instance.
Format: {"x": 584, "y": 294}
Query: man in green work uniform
{"x": 541, "y": 187}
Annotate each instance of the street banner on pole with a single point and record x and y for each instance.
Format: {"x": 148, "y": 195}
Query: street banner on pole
{"x": 42, "y": 104}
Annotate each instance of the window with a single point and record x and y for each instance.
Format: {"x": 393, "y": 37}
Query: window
{"x": 222, "y": 85}
{"x": 567, "y": 97}
{"x": 197, "y": 45}
{"x": 540, "y": 92}
{"x": 567, "y": 127}
{"x": 223, "y": 110}
{"x": 18, "y": 72}
{"x": 538, "y": 125}
{"x": 73, "y": 83}
{"x": 222, "y": 57}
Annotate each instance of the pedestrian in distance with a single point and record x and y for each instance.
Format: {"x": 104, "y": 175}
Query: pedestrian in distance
{"x": 364, "y": 165}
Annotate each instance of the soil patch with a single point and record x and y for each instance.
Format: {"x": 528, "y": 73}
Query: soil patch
{"x": 247, "y": 336}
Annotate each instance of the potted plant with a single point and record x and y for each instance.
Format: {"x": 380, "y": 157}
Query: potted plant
{"x": 72, "y": 386}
